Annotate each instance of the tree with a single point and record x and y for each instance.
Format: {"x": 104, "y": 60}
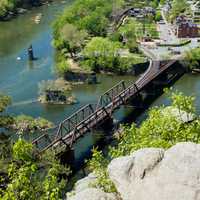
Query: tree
{"x": 98, "y": 164}
{"x": 178, "y": 7}
{"x": 101, "y": 53}
{"x": 62, "y": 67}
{"x": 89, "y": 15}
{"x": 4, "y": 102}
{"x": 158, "y": 16}
{"x": 182, "y": 102}
{"x": 73, "y": 39}
{"x": 95, "y": 23}
{"x": 192, "y": 59}
{"x": 5, "y": 120}
{"x": 33, "y": 177}
{"x": 5, "y": 6}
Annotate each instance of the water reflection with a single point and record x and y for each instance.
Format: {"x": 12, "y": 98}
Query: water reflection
{"x": 17, "y": 33}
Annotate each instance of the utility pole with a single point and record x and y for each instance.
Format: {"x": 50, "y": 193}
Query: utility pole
{"x": 144, "y": 28}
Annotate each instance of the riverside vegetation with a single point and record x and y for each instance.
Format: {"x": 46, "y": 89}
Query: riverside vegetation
{"x": 21, "y": 123}
{"x": 24, "y": 174}
{"x": 192, "y": 59}
{"x": 85, "y": 44}
{"x": 9, "y": 7}
{"x": 162, "y": 129}
{"x": 82, "y": 33}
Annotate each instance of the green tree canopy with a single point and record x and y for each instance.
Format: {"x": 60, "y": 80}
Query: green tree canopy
{"x": 178, "y": 7}
{"x": 192, "y": 58}
{"x": 71, "y": 38}
{"x": 4, "y": 102}
{"x": 91, "y": 15}
{"x": 33, "y": 177}
{"x": 101, "y": 53}
{"x": 5, "y": 6}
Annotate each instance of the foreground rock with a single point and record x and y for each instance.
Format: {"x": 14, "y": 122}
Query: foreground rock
{"x": 85, "y": 191}
{"x": 155, "y": 174}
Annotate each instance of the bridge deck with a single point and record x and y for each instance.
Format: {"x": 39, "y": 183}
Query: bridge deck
{"x": 90, "y": 116}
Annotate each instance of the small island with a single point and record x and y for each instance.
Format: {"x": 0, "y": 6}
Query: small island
{"x": 56, "y": 92}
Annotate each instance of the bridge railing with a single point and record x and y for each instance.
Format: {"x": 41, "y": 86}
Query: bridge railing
{"x": 45, "y": 138}
{"x": 88, "y": 116}
{"x": 64, "y": 127}
{"x": 111, "y": 94}
{"x": 71, "y": 122}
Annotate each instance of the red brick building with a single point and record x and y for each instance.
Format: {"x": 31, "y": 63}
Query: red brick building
{"x": 184, "y": 28}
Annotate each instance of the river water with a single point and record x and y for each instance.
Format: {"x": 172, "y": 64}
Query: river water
{"x": 20, "y": 78}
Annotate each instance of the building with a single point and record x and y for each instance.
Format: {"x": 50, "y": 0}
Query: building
{"x": 137, "y": 12}
{"x": 185, "y": 28}
{"x": 195, "y": 8}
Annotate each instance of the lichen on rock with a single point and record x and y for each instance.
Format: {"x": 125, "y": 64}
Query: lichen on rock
{"x": 84, "y": 190}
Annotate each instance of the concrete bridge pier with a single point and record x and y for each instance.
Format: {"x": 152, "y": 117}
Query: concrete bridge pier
{"x": 67, "y": 156}
{"x": 162, "y": 80}
{"x": 149, "y": 91}
{"x": 106, "y": 124}
{"x": 137, "y": 101}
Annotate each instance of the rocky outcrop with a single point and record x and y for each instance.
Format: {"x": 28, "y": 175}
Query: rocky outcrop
{"x": 85, "y": 191}
{"x": 150, "y": 174}
{"x": 155, "y": 174}
{"x": 92, "y": 194}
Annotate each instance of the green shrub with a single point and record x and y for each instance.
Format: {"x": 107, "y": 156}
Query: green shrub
{"x": 24, "y": 123}
{"x": 33, "y": 177}
{"x": 98, "y": 165}
{"x": 5, "y": 6}
{"x": 160, "y": 130}
{"x": 158, "y": 16}
{"x": 192, "y": 58}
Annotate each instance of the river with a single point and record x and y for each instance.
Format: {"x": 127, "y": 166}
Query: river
{"x": 20, "y": 78}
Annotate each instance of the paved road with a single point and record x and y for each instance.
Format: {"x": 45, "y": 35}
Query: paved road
{"x": 167, "y": 36}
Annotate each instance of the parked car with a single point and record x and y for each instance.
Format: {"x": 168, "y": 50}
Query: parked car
{"x": 161, "y": 22}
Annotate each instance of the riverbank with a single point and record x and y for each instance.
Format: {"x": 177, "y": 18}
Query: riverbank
{"x": 12, "y": 9}
{"x": 100, "y": 49}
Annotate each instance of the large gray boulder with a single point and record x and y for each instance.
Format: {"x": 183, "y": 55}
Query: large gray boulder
{"x": 155, "y": 174}
{"x": 92, "y": 194}
{"x": 84, "y": 190}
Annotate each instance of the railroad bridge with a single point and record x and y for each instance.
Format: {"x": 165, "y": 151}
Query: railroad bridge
{"x": 93, "y": 115}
